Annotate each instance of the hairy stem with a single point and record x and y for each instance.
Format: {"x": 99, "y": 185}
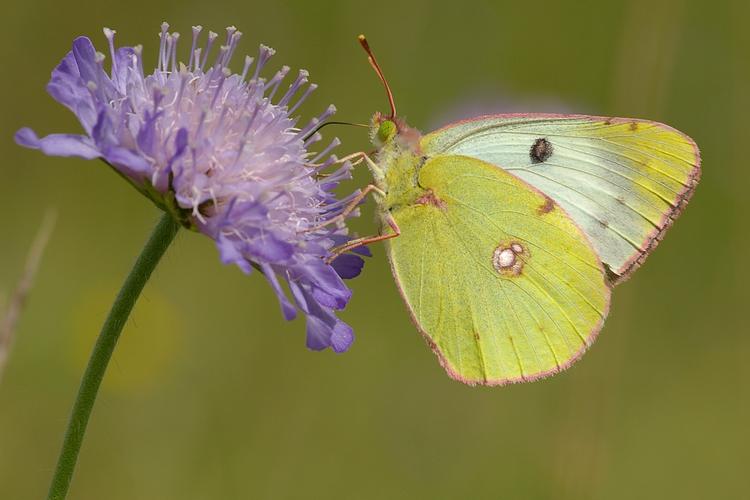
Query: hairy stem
{"x": 157, "y": 244}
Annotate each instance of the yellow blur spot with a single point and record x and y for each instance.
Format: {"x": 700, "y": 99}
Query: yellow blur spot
{"x": 147, "y": 346}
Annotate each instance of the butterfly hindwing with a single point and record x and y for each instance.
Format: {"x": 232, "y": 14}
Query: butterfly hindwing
{"x": 622, "y": 181}
{"x": 499, "y": 279}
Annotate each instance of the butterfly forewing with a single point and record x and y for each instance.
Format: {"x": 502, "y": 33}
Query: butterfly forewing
{"x": 499, "y": 279}
{"x": 622, "y": 181}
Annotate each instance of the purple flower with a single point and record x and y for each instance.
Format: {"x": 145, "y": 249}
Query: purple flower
{"x": 223, "y": 154}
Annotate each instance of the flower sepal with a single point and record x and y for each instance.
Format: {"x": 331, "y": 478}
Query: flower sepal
{"x": 168, "y": 202}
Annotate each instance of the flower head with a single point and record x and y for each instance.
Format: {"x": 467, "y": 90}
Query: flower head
{"x": 222, "y": 152}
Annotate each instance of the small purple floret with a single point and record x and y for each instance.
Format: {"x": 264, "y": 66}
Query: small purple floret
{"x": 222, "y": 151}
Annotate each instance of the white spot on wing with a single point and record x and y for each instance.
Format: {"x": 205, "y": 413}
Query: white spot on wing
{"x": 505, "y": 258}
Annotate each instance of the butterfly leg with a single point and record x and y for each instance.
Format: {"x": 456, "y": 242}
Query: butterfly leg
{"x": 355, "y": 158}
{"x": 348, "y": 209}
{"x": 351, "y": 245}
{"x": 361, "y": 156}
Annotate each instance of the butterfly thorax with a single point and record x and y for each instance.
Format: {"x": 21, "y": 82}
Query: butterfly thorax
{"x": 399, "y": 158}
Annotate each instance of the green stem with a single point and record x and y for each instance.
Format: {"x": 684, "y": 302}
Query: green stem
{"x": 157, "y": 244}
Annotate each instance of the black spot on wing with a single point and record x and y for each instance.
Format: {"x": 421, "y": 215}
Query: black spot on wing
{"x": 541, "y": 150}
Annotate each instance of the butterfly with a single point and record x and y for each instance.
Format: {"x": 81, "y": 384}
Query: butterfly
{"x": 506, "y": 233}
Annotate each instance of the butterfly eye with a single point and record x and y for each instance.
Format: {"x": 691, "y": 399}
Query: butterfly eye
{"x": 386, "y": 131}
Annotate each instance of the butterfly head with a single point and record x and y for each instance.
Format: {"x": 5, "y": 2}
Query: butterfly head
{"x": 383, "y": 130}
{"x": 387, "y": 132}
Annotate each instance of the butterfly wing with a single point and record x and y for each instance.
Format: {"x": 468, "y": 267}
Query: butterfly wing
{"x": 622, "y": 181}
{"x": 501, "y": 282}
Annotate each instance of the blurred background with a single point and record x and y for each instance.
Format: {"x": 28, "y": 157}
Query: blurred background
{"x": 212, "y": 395}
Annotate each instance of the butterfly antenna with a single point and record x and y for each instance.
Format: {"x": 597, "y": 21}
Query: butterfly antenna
{"x": 376, "y": 67}
{"x": 325, "y": 124}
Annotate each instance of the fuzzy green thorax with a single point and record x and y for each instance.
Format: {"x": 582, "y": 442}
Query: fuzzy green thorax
{"x": 399, "y": 159}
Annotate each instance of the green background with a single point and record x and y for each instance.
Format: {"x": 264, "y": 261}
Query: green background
{"x": 212, "y": 395}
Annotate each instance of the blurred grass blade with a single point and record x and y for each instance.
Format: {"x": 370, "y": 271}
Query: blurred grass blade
{"x": 17, "y": 299}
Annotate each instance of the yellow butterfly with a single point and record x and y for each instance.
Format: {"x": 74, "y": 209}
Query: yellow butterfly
{"x": 507, "y": 232}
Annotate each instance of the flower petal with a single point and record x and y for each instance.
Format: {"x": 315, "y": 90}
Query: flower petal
{"x": 90, "y": 70}
{"x": 269, "y": 248}
{"x": 318, "y": 334}
{"x": 342, "y": 337}
{"x": 85, "y": 58}
{"x": 299, "y": 296}
{"x": 147, "y": 134}
{"x": 58, "y": 144}
{"x": 67, "y": 88}
{"x": 287, "y": 309}
{"x": 128, "y": 162}
{"x": 249, "y": 211}
{"x": 325, "y": 330}
{"x": 124, "y": 58}
{"x": 161, "y": 177}
{"x": 229, "y": 254}
{"x": 348, "y": 266}
{"x": 327, "y": 287}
